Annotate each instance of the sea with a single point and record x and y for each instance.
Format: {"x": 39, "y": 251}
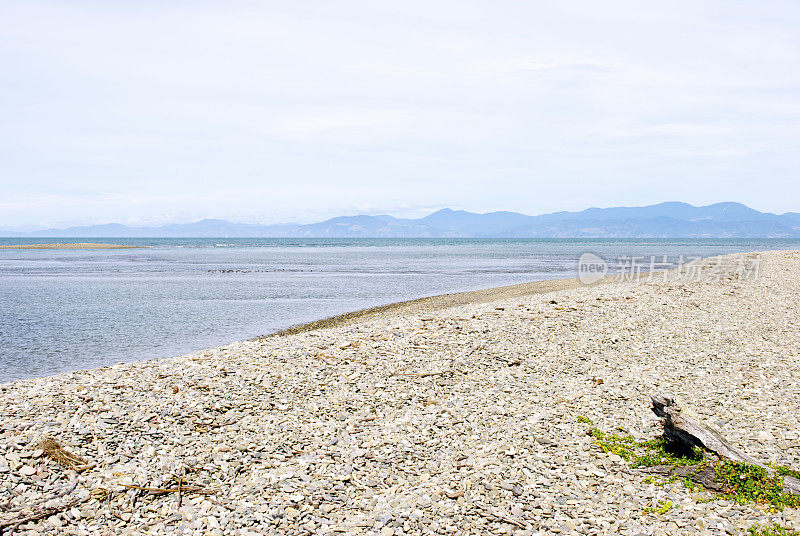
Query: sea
{"x": 64, "y": 310}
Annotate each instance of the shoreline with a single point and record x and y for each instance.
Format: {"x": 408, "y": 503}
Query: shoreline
{"x": 442, "y": 301}
{"x": 412, "y": 306}
{"x": 474, "y": 297}
{"x": 425, "y": 304}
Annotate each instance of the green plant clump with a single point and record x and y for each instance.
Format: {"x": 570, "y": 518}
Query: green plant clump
{"x": 663, "y": 508}
{"x": 645, "y": 453}
{"x": 742, "y": 483}
{"x": 785, "y": 471}
{"x": 746, "y": 483}
{"x": 774, "y": 530}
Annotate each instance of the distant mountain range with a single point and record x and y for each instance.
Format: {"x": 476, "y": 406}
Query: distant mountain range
{"x": 665, "y": 220}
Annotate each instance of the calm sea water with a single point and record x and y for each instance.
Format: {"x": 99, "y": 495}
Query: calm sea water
{"x": 74, "y": 309}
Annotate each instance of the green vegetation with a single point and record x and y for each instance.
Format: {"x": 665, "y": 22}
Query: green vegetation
{"x": 774, "y": 530}
{"x": 742, "y": 483}
{"x": 645, "y": 453}
{"x": 663, "y": 508}
{"x": 751, "y": 484}
{"x": 785, "y": 471}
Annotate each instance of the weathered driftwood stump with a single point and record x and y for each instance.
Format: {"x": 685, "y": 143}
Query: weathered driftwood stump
{"x": 686, "y": 431}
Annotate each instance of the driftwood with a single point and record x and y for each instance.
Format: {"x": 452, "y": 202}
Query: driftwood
{"x": 686, "y": 431}
{"x": 181, "y": 489}
{"x": 40, "y": 511}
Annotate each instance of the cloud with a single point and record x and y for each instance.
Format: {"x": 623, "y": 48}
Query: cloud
{"x": 273, "y": 109}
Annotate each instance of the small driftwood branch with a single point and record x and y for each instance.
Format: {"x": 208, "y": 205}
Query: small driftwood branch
{"x": 38, "y": 512}
{"x": 686, "y": 431}
{"x": 180, "y": 488}
{"x": 421, "y": 374}
{"x": 706, "y": 476}
{"x": 159, "y": 491}
{"x": 486, "y": 512}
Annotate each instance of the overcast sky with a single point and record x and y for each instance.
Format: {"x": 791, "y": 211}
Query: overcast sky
{"x": 147, "y": 111}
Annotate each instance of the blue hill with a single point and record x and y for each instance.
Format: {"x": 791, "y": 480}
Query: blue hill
{"x": 664, "y": 220}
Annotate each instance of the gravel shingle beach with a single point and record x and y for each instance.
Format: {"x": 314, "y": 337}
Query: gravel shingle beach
{"x": 466, "y": 418}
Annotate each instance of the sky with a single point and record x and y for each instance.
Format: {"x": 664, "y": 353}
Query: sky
{"x": 145, "y": 112}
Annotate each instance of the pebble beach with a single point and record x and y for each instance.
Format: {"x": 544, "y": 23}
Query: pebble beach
{"x": 466, "y": 417}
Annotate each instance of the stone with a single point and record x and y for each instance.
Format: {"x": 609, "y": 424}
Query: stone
{"x": 292, "y": 512}
{"x": 27, "y": 470}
